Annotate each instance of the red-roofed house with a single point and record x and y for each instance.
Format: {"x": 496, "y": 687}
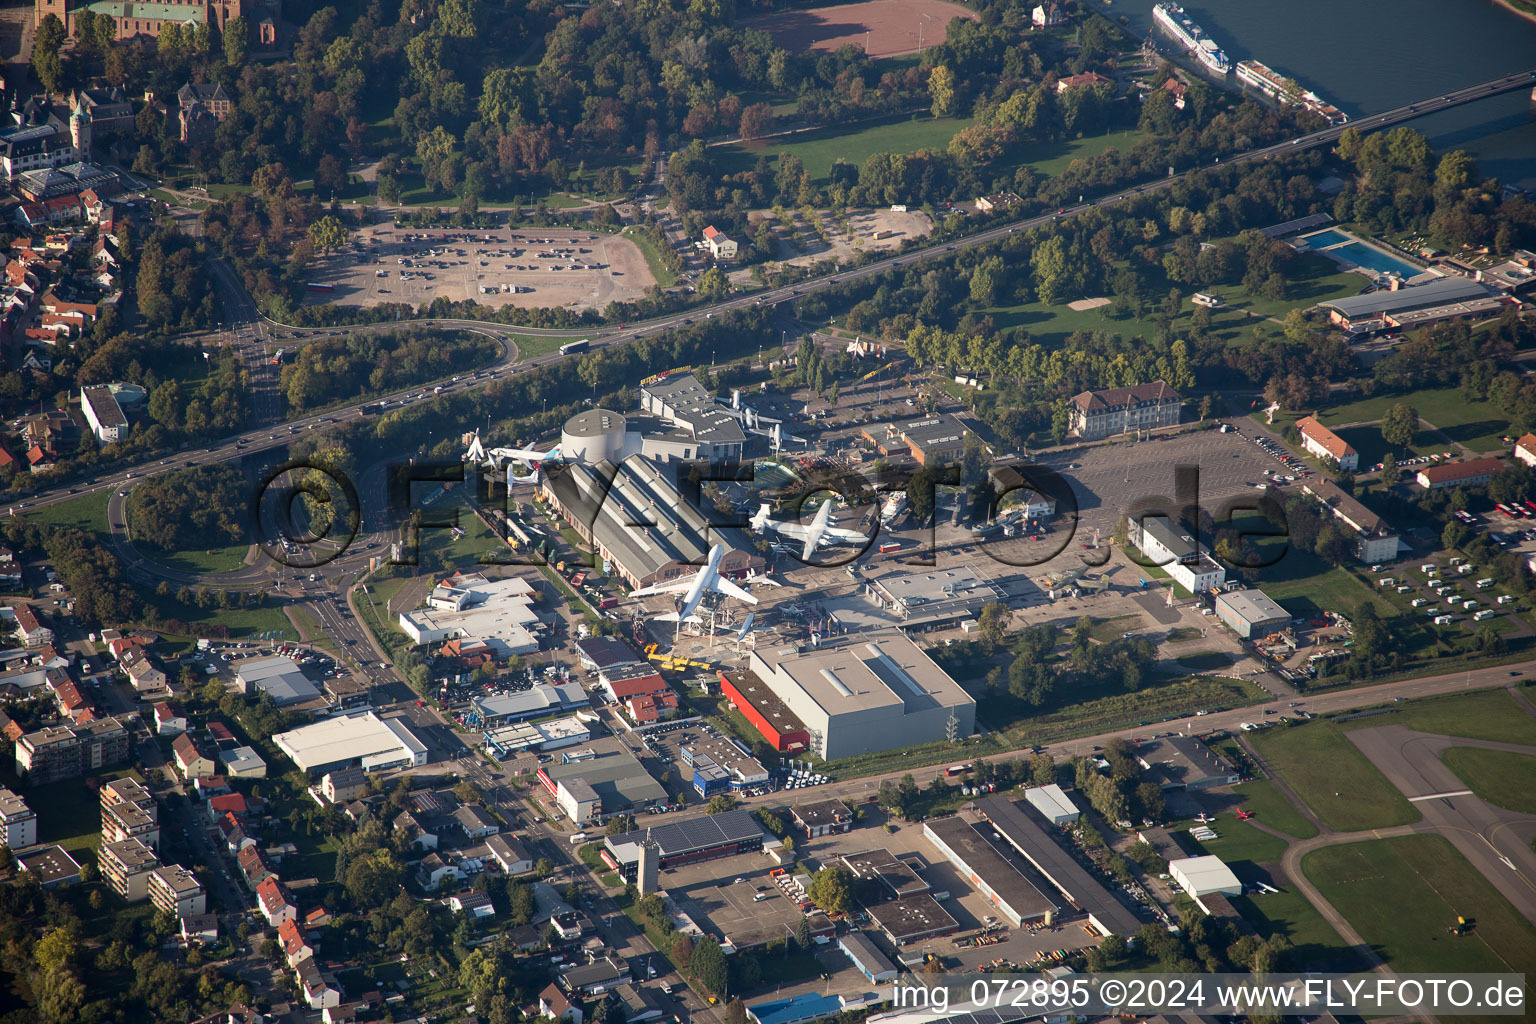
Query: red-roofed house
{"x": 720, "y": 245}
{"x": 229, "y": 803}
{"x": 624, "y": 683}
{"x": 1525, "y": 449}
{"x": 295, "y": 946}
{"x": 169, "y": 721}
{"x": 651, "y": 708}
{"x": 191, "y": 760}
{"x": 1179, "y": 91}
{"x": 1326, "y": 445}
{"x": 1079, "y": 81}
{"x": 1471, "y": 473}
{"x": 253, "y": 866}
{"x": 274, "y": 902}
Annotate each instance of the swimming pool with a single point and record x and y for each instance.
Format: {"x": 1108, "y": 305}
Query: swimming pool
{"x": 1362, "y": 255}
{"x": 1326, "y": 238}
{"x": 1357, "y": 253}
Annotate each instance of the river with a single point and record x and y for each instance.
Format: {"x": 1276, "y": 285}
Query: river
{"x": 1370, "y": 55}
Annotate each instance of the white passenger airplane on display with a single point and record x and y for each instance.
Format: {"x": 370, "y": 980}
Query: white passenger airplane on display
{"x": 497, "y": 458}
{"x": 818, "y": 534}
{"x": 694, "y": 587}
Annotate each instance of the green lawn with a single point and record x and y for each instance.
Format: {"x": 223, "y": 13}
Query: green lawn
{"x": 1273, "y": 808}
{"x": 1051, "y": 158}
{"x": 538, "y": 345}
{"x": 1373, "y": 883}
{"x": 819, "y": 149}
{"x": 1502, "y": 778}
{"x": 1310, "y": 279}
{"x": 1239, "y": 841}
{"x": 1478, "y": 425}
{"x": 1205, "y": 661}
{"x": 1333, "y": 777}
{"x": 647, "y": 246}
{"x": 87, "y": 512}
{"x": 222, "y": 559}
{"x": 1051, "y": 325}
{"x": 1314, "y": 945}
{"x": 240, "y": 621}
{"x": 1484, "y": 715}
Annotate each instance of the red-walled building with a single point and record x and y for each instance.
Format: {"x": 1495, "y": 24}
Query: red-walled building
{"x": 768, "y": 714}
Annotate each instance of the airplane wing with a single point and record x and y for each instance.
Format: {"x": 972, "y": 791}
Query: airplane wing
{"x": 530, "y": 454}
{"x": 837, "y": 533}
{"x": 672, "y": 587}
{"x": 810, "y": 547}
{"x": 730, "y": 589}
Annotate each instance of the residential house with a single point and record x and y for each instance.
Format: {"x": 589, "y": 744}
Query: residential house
{"x": 126, "y": 866}
{"x": 1047, "y": 15}
{"x": 343, "y": 785}
{"x": 554, "y": 1005}
{"x": 193, "y": 760}
{"x": 1468, "y": 473}
{"x": 200, "y": 929}
{"x": 318, "y": 989}
{"x": 34, "y": 632}
{"x": 475, "y": 904}
{"x": 295, "y": 946}
{"x": 274, "y": 903}
{"x": 18, "y": 822}
{"x": 407, "y": 822}
{"x": 169, "y": 720}
{"x": 509, "y": 854}
{"x": 1089, "y": 78}
{"x": 475, "y": 822}
{"x": 253, "y": 866}
{"x": 432, "y": 871}
{"x": 720, "y": 245}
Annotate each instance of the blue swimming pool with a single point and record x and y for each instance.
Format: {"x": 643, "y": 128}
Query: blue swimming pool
{"x": 1362, "y": 255}
{"x": 1325, "y": 238}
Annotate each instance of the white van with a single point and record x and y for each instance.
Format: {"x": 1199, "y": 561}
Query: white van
{"x": 1443, "y": 620}
{"x": 1486, "y": 613}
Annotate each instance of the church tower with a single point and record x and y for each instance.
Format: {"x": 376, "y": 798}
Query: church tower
{"x": 80, "y": 131}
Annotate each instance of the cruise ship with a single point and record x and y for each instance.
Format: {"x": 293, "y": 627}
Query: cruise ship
{"x": 1172, "y": 19}
{"x": 1276, "y": 86}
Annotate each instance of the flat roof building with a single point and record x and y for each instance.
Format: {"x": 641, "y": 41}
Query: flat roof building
{"x": 278, "y": 676}
{"x": 916, "y": 601}
{"x": 1200, "y": 876}
{"x": 997, "y": 878}
{"x": 938, "y": 438}
{"x": 535, "y": 702}
{"x": 688, "y": 842}
{"x": 176, "y": 891}
{"x": 859, "y": 695}
{"x": 126, "y": 867}
{"x": 1411, "y": 305}
{"x": 52, "y": 865}
{"x": 1251, "y": 613}
{"x": 1168, "y": 546}
{"x": 18, "y": 822}
{"x": 913, "y": 919}
{"x": 822, "y": 818}
{"x": 498, "y": 613}
{"x": 104, "y": 415}
{"x": 686, "y": 404}
{"x": 1022, "y": 828}
{"x": 604, "y": 653}
{"x": 769, "y": 715}
{"x": 618, "y": 780}
{"x": 366, "y": 741}
{"x": 242, "y": 763}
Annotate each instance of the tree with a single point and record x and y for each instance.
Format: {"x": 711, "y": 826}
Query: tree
{"x": 327, "y": 234}
{"x": 831, "y": 889}
{"x": 714, "y": 285}
{"x": 709, "y": 966}
{"x": 720, "y": 803}
{"x": 756, "y": 121}
{"x": 1399, "y": 425}
{"x": 237, "y": 42}
{"x": 992, "y": 623}
{"x": 56, "y": 950}
{"x": 941, "y": 90}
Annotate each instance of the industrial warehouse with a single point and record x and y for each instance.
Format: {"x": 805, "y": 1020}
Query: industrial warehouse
{"x": 636, "y": 517}
{"x": 861, "y": 695}
{"x": 686, "y": 842}
{"x": 591, "y": 786}
{"x": 365, "y": 741}
{"x": 498, "y": 613}
{"x": 987, "y": 867}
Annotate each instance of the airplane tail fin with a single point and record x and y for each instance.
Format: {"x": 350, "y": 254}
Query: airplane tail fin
{"x": 761, "y": 519}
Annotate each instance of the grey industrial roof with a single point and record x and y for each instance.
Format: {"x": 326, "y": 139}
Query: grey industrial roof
{"x": 279, "y": 676}
{"x": 616, "y": 776}
{"x": 884, "y": 867}
{"x": 677, "y": 838}
{"x": 594, "y": 423}
{"x": 108, "y": 412}
{"x": 1253, "y": 605}
{"x": 1029, "y": 833}
{"x": 1291, "y": 227}
{"x": 1171, "y": 536}
{"x": 1184, "y": 759}
{"x": 822, "y": 812}
{"x": 607, "y": 652}
{"x": 638, "y": 515}
{"x": 534, "y": 701}
{"x": 865, "y": 953}
{"x": 943, "y": 432}
{"x": 690, "y": 402}
{"x": 912, "y": 916}
{"x": 857, "y": 673}
{"x": 1414, "y": 296}
{"x": 971, "y": 844}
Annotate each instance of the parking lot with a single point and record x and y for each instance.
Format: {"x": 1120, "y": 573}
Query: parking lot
{"x": 528, "y": 267}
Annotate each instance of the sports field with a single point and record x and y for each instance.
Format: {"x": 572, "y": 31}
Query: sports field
{"x": 1333, "y": 777}
{"x": 1374, "y": 883}
{"x": 884, "y": 28}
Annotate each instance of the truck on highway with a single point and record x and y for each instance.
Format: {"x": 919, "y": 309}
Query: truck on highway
{"x": 372, "y": 409}
{"x": 575, "y": 346}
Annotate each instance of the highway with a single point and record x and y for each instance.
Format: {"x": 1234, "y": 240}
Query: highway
{"x": 256, "y": 335}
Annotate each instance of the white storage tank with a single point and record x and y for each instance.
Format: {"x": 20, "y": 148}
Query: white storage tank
{"x": 594, "y": 435}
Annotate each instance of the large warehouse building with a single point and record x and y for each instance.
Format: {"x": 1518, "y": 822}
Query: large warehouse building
{"x": 1023, "y": 828}
{"x": 593, "y": 787}
{"x": 279, "y": 677}
{"x": 687, "y": 842}
{"x": 1251, "y": 613}
{"x": 641, "y": 524}
{"x": 1002, "y": 882}
{"x": 468, "y": 605}
{"x": 861, "y": 695}
{"x": 366, "y": 741}
{"x": 768, "y": 714}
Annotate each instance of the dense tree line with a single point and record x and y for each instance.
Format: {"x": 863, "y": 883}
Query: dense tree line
{"x": 339, "y": 369}
{"x": 200, "y": 507}
{"x": 1119, "y": 793}
{"x": 70, "y": 970}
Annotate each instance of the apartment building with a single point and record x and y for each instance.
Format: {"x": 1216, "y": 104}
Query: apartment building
{"x": 126, "y": 866}
{"x": 63, "y": 752}
{"x": 18, "y": 822}
{"x": 176, "y": 891}
{"x": 129, "y": 811}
